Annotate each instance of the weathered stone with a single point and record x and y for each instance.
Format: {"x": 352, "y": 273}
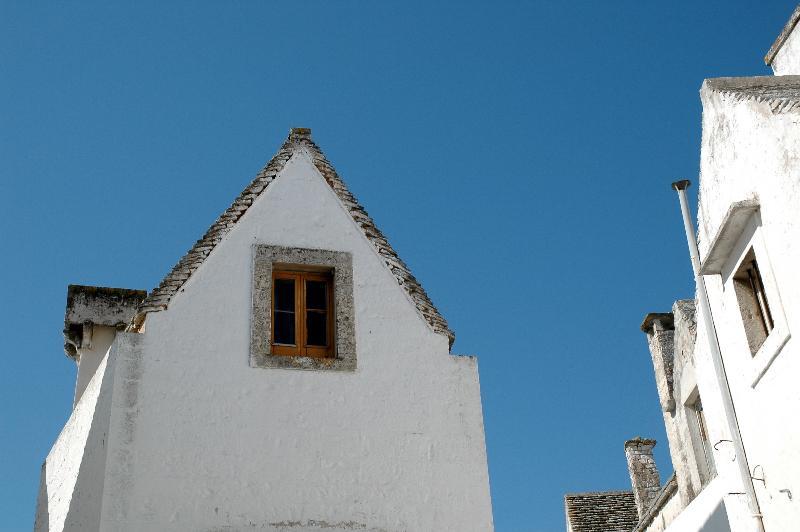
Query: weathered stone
{"x": 645, "y": 480}
{"x": 341, "y": 264}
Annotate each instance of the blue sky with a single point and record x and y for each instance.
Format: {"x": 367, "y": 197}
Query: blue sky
{"x": 517, "y": 155}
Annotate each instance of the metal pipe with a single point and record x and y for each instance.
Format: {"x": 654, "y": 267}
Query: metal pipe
{"x": 716, "y": 357}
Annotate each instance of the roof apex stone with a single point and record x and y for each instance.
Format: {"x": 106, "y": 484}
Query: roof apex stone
{"x": 299, "y": 139}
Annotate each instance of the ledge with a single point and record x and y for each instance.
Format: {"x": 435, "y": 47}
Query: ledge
{"x": 97, "y": 305}
{"x": 728, "y": 234}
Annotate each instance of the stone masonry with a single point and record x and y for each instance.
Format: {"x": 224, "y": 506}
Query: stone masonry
{"x": 644, "y": 474}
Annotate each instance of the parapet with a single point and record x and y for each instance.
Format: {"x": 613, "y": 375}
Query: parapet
{"x": 97, "y": 305}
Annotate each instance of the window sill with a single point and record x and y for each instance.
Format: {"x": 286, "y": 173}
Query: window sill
{"x": 258, "y": 360}
{"x": 768, "y": 352}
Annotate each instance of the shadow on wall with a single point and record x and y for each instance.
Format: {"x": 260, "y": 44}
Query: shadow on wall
{"x": 85, "y": 499}
{"x": 60, "y": 483}
{"x": 42, "y": 521}
{"x": 717, "y": 521}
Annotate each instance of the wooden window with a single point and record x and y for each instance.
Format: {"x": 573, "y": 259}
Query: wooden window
{"x": 302, "y": 313}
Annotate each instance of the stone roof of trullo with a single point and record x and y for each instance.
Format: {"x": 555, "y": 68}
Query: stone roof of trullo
{"x": 604, "y": 511}
{"x": 781, "y": 93}
{"x": 299, "y": 139}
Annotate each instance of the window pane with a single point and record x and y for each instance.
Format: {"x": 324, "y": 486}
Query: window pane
{"x": 317, "y": 328}
{"x": 316, "y": 295}
{"x": 284, "y": 294}
{"x": 284, "y": 327}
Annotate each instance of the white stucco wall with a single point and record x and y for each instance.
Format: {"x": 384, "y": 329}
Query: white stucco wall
{"x": 666, "y": 515}
{"x": 787, "y": 60}
{"x": 203, "y": 441}
{"x": 706, "y": 513}
{"x": 750, "y": 152}
{"x": 73, "y": 474}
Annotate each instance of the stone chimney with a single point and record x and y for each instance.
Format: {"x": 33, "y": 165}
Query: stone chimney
{"x": 660, "y": 331}
{"x": 645, "y": 481}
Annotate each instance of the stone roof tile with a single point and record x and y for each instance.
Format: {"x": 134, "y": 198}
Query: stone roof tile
{"x": 606, "y": 511}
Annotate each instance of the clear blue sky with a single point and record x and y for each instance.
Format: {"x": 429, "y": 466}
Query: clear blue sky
{"x": 518, "y": 156}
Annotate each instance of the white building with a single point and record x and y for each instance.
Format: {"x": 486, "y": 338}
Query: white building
{"x": 749, "y": 249}
{"x": 289, "y": 374}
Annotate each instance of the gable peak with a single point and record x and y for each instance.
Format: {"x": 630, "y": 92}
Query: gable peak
{"x": 299, "y": 138}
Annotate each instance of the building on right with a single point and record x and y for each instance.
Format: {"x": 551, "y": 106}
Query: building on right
{"x": 727, "y": 369}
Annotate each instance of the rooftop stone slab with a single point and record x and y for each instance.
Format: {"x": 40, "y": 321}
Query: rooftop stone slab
{"x": 97, "y": 305}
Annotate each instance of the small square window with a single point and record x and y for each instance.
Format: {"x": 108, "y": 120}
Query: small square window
{"x": 753, "y": 304}
{"x": 302, "y": 313}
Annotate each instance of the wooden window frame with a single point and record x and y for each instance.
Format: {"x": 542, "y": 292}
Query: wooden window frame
{"x": 300, "y": 348}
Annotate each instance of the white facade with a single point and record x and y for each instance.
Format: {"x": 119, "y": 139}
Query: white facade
{"x": 180, "y": 432}
{"x": 749, "y": 208}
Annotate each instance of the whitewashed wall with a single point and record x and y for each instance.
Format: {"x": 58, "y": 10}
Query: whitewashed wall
{"x": 750, "y": 152}
{"x": 72, "y": 477}
{"x": 206, "y": 442}
{"x": 706, "y": 513}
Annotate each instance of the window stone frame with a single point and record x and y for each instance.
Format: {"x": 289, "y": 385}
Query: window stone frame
{"x": 265, "y": 257}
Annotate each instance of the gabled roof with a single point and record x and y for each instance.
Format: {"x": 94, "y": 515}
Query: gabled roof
{"x": 299, "y": 139}
{"x": 781, "y": 93}
{"x": 605, "y": 511}
{"x": 784, "y": 34}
